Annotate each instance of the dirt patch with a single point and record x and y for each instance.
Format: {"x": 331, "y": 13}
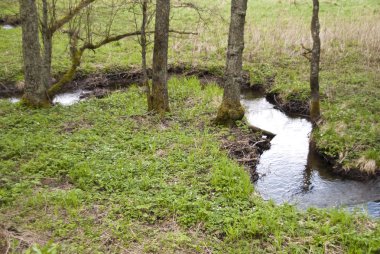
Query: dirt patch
{"x": 9, "y": 89}
{"x": 291, "y": 107}
{"x": 99, "y": 84}
{"x": 71, "y": 127}
{"x": 14, "y": 240}
{"x": 11, "y": 20}
{"x": 55, "y": 183}
{"x": 245, "y": 146}
{"x": 351, "y": 173}
{"x": 4, "y": 243}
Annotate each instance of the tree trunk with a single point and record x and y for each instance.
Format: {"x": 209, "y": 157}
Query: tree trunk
{"x": 143, "y": 42}
{"x": 314, "y": 66}
{"x": 47, "y": 39}
{"x": 159, "y": 96}
{"x": 35, "y": 92}
{"x": 231, "y": 110}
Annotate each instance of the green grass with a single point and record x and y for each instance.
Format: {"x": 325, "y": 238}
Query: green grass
{"x": 275, "y": 30}
{"x": 103, "y": 176}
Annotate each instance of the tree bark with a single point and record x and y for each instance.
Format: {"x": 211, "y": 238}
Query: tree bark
{"x": 159, "y": 96}
{"x": 143, "y": 42}
{"x": 47, "y": 39}
{"x": 314, "y": 66}
{"x": 231, "y": 110}
{"x": 35, "y": 94}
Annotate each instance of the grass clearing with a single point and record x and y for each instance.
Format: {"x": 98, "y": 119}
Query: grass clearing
{"x": 104, "y": 176}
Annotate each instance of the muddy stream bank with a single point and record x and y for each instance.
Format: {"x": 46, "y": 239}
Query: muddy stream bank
{"x": 291, "y": 170}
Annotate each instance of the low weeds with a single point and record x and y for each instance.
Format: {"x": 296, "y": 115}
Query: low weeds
{"x": 131, "y": 182}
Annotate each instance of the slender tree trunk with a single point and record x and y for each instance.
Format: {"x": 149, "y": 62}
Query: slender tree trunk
{"x": 35, "y": 92}
{"x": 314, "y": 66}
{"x": 143, "y": 42}
{"x": 231, "y": 110}
{"x": 160, "y": 97}
{"x": 47, "y": 39}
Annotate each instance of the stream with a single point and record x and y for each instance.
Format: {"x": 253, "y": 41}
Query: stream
{"x": 291, "y": 170}
{"x": 7, "y": 27}
{"x": 64, "y": 99}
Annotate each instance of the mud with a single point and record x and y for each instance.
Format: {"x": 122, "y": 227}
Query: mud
{"x": 10, "y": 20}
{"x": 98, "y": 83}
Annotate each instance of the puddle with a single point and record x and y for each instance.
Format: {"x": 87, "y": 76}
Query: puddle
{"x": 291, "y": 171}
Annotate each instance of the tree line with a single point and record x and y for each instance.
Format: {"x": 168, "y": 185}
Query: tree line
{"x": 40, "y": 20}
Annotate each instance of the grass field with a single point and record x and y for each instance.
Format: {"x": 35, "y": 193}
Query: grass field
{"x": 103, "y": 176}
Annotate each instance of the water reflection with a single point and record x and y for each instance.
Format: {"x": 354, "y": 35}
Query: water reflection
{"x": 291, "y": 171}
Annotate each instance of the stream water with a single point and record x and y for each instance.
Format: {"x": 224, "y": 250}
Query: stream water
{"x": 65, "y": 99}
{"x": 7, "y": 27}
{"x": 291, "y": 171}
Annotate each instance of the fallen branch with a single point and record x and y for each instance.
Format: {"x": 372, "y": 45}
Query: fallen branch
{"x": 257, "y": 129}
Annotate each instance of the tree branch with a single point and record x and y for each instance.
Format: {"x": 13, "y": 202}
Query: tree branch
{"x": 66, "y": 18}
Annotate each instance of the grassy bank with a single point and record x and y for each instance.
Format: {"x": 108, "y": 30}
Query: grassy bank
{"x": 103, "y": 176}
{"x": 350, "y": 75}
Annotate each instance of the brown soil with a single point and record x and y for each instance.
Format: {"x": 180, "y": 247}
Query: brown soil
{"x": 100, "y": 83}
{"x": 245, "y": 146}
{"x": 352, "y": 174}
{"x": 292, "y": 107}
{"x": 12, "y": 20}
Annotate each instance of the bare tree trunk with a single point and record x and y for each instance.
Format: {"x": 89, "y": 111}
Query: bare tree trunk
{"x": 231, "y": 110}
{"x": 314, "y": 66}
{"x": 47, "y": 39}
{"x": 143, "y": 42}
{"x": 160, "y": 97}
{"x": 35, "y": 92}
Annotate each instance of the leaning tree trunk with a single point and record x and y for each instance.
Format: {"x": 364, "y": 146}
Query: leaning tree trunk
{"x": 159, "y": 96}
{"x": 231, "y": 110}
{"x": 35, "y": 92}
{"x": 315, "y": 60}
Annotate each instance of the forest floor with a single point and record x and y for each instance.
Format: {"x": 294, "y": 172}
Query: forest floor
{"x": 105, "y": 176}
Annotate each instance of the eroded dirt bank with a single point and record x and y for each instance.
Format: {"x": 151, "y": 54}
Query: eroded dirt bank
{"x": 100, "y": 84}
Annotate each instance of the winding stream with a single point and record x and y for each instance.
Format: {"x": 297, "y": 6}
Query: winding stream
{"x": 291, "y": 171}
